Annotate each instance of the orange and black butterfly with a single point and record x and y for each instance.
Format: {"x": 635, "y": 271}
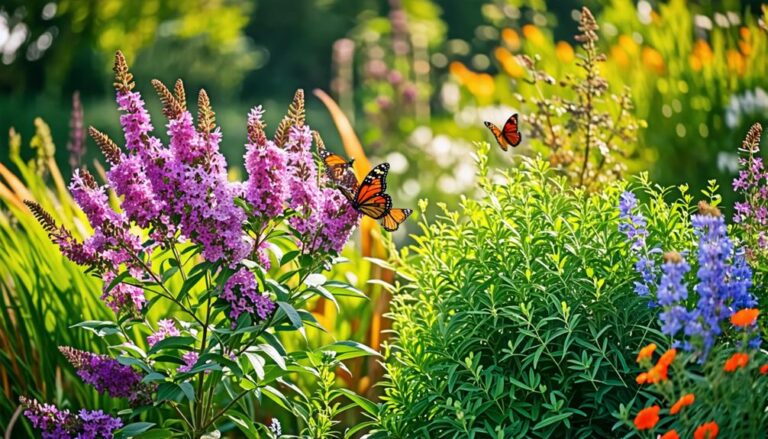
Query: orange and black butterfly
{"x": 338, "y": 169}
{"x": 371, "y": 199}
{"x": 509, "y": 135}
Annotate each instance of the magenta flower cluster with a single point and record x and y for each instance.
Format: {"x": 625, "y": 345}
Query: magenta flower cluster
{"x": 751, "y": 214}
{"x": 165, "y": 328}
{"x": 242, "y": 294}
{"x": 108, "y": 375}
{"x": 62, "y": 424}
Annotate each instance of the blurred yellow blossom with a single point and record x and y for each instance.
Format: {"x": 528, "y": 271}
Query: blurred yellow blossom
{"x": 620, "y": 57}
{"x": 534, "y": 35}
{"x": 509, "y": 63}
{"x": 653, "y": 60}
{"x": 564, "y": 52}
{"x": 511, "y": 39}
{"x": 736, "y": 62}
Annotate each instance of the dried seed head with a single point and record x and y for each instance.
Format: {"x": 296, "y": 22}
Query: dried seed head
{"x": 109, "y": 148}
{"x": 751, "y": 142}
{"x": 181, "y": 95}
{"x": 318, "y": 140}
{"x": 171, "y": 107}
{"x": 206, "y": 118}
{"x": 123, "y": 78}
{"x": 42, "y": 216}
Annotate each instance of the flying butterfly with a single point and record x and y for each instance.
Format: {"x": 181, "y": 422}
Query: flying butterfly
{"x": 371, "y": 199}
{"x": 509, "y": 135}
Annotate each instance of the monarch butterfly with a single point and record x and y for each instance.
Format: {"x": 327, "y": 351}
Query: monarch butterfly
{"x": 338, "y": 169}
{"x": 370, "y": 197}
{"x": 509, "y": 135}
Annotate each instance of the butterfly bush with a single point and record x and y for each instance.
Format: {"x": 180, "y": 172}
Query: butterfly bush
{"x": 183, "y": 237}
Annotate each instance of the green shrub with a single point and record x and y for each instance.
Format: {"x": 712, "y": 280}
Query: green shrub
{"x": 519, "y": 315}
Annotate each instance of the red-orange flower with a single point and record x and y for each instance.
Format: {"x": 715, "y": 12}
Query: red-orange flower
{"x": 671, "y": 434}
{"x": 647, "y": 418}
{"x": 764, "y": 369}
{"x": 643, "y": 378}
{"x": 684, "y": 400}
{"x": 657, "y": 374}
{"x": 668, "y": 357}
{"x": 737, "y": 360}
{"x": 706, "y": 431}
{"x": 745, "y": 317}
{"x": 646, "y": 352}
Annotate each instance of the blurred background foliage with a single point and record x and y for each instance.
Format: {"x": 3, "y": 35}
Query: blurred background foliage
{"x": 416, "y": 78}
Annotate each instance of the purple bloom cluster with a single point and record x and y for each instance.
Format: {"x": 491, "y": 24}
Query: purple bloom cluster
{"x": 724, "y": 280}
{"x": 190, "y": 359}
{"x": 752, "y": 183}
{"x": 242, "y": 293}
{"x": 165, "y": 328}
{"x": 267, "y": 166}
{"x": 62, "y": 424}
{"x": 635, "y": 228}
{"x": 108, "y": 375}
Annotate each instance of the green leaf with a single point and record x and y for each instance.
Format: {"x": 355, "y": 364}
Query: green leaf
{"x": 293, "y": 317}
{"x": 170, "y": 392}
{"x": 135, "y": 429}
{"x": 98, "y": 327}
{"x": 176, "y": 342}
{"x": 363, "y": 403}
{"x": 551, "y": 420}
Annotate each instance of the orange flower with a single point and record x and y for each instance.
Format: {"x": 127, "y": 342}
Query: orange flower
{"x": 620, "y": 56}
{"x": 764, "y": 369}
{"x": 509, "y": 63}
{"x": 564, "y": 52}
{"x": 736, "y": 63}
{"x": 668, "y": 357}
{"x": 671, "y": 434}
{"x": 657, "y": 374}
{"x": 653, "y": 60}
{"x": 745, "y": 317}
{"x": 706, "y": 431}
{"x": 533, "y": 34}
{"x": 643, "y": 378}
{"x": 684, "y": 400}
{"x": 647, "y": 418}
{"x": 646, "y": 352}
{"x": 628, "y": 44}
{"x": 511, "y": 38}
{"x": 737, "y": 360}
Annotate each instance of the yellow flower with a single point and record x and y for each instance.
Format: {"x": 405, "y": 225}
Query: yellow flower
{"x": 653, "y": 60}
{"x": 534, "y": 34}
{"x": 509, "y": 63}
{"x": 482, "y": 85}
{"x": 628, "y": 44}
{"x": 564, "y": 52}
{"x": 620, "y": 57}
{"x": 511, "y": 38}
{"x": 736, "y": 62}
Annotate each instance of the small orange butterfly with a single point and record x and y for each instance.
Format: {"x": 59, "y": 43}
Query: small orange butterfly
{"x": 371, "y": 199}
{"x": 509, "y": 135}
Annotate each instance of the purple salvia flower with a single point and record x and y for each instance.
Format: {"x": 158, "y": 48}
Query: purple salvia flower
{"x": 190, "y": 359}
{"x": 92, "y": 199}
{"x": 242, "y": 293}
{"x": 336, "y": 218}
{"x": 634, "y": 225}
{"x": 267, "y": 186}
{"x": 62, "y": 424}
{"x": 135, "y": 120}
{"x": 129, "y": 181}
{"x": 123, "y": 298}
{"x": 108, "y": 375}
{"x": 165, "y": 328}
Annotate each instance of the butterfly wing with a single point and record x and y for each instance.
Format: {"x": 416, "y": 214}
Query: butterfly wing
{"x": 392, "y": 220}
{"x": 511, "y": 132}
{"x": 371, "y": 198}
{"x": 498, "y": 135}
{"x": 338, "y": 169}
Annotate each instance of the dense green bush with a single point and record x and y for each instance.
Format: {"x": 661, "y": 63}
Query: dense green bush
{"x": 518, "y": 315}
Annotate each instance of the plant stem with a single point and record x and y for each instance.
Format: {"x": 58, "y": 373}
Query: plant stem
{"x": 224, "y": 410}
